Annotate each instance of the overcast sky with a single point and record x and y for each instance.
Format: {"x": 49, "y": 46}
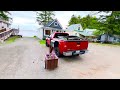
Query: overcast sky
{"x": 26, "y": 20}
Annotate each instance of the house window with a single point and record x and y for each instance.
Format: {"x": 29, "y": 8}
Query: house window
{"x": 47, "y": 32}
{"x": 55, "y": 24}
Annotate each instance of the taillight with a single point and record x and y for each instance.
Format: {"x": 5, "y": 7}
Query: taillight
{"x": 65, "y": 46}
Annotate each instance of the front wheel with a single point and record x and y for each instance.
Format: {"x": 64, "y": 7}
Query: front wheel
{"x": 57, "y": 51}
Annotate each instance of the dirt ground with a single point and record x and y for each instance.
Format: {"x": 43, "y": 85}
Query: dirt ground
{"x": 24, "y": 59}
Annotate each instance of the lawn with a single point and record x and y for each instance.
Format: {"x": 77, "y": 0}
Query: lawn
{"x": 105, "y": 44}
{"x": 11, "y": 39}
{"x": 42, "y": 41}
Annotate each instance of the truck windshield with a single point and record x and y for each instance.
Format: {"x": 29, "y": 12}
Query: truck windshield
{"x": 60, "y": 34}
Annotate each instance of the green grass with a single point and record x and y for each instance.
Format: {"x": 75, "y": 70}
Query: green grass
{"x": 42, "y": 41}
{"x": 106, "y": 44}
{"x": 35, "y": 36}
{"x": 11, "y": 39}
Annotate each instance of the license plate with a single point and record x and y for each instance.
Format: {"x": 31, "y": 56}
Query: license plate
{"x": 69, "y": 53}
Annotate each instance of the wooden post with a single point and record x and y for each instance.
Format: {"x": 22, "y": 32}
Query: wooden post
{"x": 51, "y": 49}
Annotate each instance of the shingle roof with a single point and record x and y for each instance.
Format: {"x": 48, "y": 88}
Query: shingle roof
{"x": 74, "y": 27}
{"x": 47, "y": 25}
{"x": 86, "y": 32}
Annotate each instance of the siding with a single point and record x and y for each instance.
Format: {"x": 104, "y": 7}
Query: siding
{"x": 53, "y": 26}
{"x": 40, "y": 33}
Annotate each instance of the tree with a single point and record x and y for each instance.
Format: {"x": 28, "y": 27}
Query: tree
{"x": 44, "y": 17}
{"x": 110, "y": 24}
{"x": 86, "y": 22}
{"x": 89, "y": 22}
{"x": 4, "y": 15}
{"x": 73, "y": 20}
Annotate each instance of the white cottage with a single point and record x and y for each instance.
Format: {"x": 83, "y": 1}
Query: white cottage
{"x": 49, "y": 28}
{"x": 72, "y": 29}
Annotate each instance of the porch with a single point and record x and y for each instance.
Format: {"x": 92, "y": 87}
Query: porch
{"x": 6, "y": 34}
{"x": 47, "y": 31}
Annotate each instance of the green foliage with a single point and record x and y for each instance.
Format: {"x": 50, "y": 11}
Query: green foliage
{"x": 109, "y": 24}
{"x": 73, "y": 20}
{"x": 35, "y": 36}
{"x": 44, "y": 17}
{"x": 11, "y": 39}
{"x": 112, "y": 22}
{"x": 42, "y": 41}
{"x": 97, "y": 32}
{"x": 4, "y": 16}
{"x": 86, "y": 22}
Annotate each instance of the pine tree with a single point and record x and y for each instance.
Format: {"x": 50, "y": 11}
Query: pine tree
{"x": 43, "y": 17}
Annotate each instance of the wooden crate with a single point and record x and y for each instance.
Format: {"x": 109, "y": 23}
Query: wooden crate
{"x": 51, "y": 63}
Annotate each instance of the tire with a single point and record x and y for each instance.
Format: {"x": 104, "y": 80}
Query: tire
{"x": 47, "y": 44}
{"x": 77, "y": 55}
{"x": 57, "y": 51}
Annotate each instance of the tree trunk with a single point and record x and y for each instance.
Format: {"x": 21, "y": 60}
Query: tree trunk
{"x": 45, "y": 17}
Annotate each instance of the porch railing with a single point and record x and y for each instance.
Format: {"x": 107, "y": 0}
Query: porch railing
{"x": 4, "y": 35}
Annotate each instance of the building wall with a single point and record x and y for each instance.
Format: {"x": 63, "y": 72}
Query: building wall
{"x": 0, "y": 25}
{"x": 40, "y": 33}
{"x": 110, "y": 39}
{"x": 75, "y": 27}
{"x": 4, "y": 25}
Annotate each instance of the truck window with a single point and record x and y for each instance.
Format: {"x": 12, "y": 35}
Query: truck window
{"x": 60, "y": 34}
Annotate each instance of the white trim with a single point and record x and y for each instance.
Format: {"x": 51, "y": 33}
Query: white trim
{"x": 51, "y": 22}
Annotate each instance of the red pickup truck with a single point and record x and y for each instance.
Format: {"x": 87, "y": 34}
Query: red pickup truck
{"x": 66, "y": 45}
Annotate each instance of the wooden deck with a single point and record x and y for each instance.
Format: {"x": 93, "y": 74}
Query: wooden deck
{"x": 6, "y": 34}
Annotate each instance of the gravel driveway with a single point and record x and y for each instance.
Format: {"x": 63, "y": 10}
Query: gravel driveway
{"x": 24, "y": 59}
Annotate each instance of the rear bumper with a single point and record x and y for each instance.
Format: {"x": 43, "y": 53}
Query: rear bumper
{"x": 70, "y": 53}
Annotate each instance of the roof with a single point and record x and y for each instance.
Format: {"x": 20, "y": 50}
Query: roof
{"x": 50, "y": 24}
{"x": 85, "y": 34}
{"x": 74, "y": 27}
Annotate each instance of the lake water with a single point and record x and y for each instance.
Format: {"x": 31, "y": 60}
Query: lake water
{"x": 28, "y": 33}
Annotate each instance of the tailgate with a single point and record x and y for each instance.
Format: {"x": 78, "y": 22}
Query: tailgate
{"x": 76, "y": 45}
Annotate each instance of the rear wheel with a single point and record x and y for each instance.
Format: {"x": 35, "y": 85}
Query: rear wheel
{"x": 77, "y": 55}
{"x": 57, "y": 51}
